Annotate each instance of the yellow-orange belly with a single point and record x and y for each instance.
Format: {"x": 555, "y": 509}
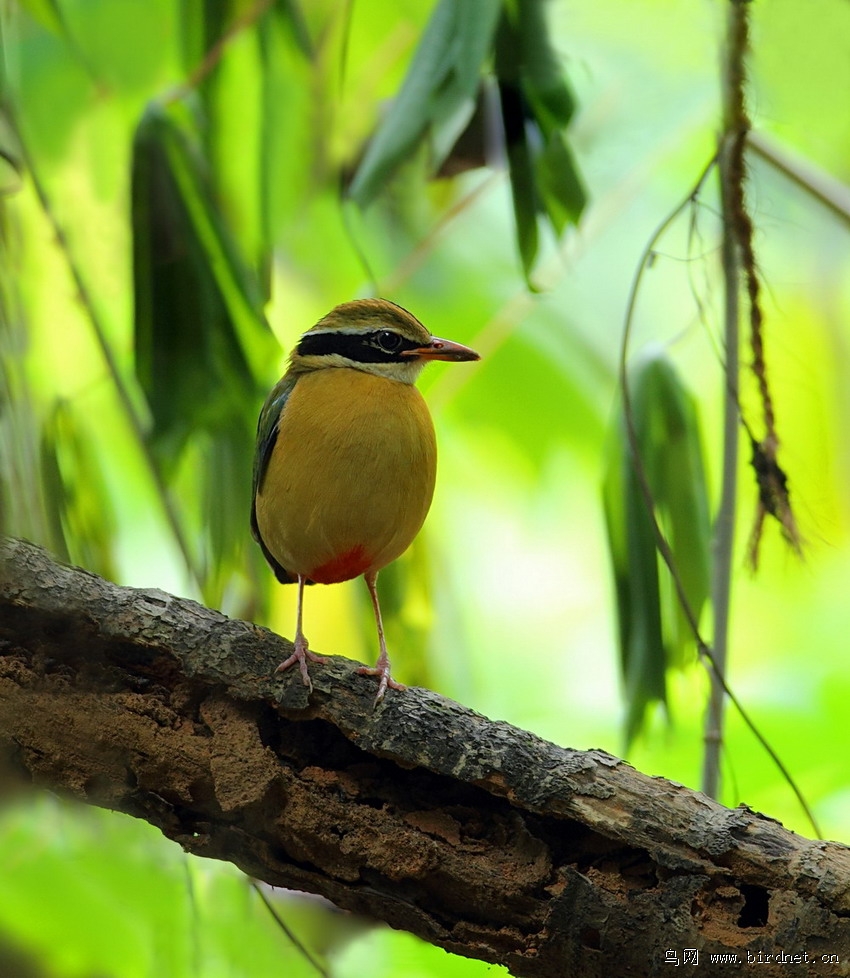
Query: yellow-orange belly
{"x": 351, "y": 475}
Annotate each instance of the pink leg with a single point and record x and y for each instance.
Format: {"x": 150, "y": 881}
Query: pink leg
{"x": 382, "y": 666}
{"x": 301, "y": 653}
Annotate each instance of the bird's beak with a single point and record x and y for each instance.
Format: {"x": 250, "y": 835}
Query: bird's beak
{"x": 438, "y": 349}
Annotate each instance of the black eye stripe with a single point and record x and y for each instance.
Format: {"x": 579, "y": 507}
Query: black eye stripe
{"x": 362, "y": 347}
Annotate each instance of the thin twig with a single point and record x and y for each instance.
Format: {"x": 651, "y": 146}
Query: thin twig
{"x": 291, "y": 936}
{"x": 426, "y": 245}
{"x": 811, "y": 179}
{"x": 736, "y": 245}
{"x": 724, "y": 524}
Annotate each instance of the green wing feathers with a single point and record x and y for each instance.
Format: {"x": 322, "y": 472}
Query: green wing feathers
{"x": 267, "y": 428}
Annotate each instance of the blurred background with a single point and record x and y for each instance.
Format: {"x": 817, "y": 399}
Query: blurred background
{"x": 187, "y": 186}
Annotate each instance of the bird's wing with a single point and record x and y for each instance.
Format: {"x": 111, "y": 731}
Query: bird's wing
{"x": 267, "y": 428}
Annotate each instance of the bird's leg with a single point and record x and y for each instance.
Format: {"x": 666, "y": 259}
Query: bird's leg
{"x": 382, "y": 666}
{"x": 301, "y": 653}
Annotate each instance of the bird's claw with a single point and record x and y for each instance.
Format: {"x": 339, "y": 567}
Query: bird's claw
{"x": 386, "y": 680}
{"x": 300, "y": 655}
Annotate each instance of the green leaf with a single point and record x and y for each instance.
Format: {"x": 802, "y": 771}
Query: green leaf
{"x": 526, "y": 202}
{"x": 194, "y": 36}
{"x": 48, "y": 14}
{"x": 653, "y": 629}
{"x": 440, "y": 86}
{"x": 289, "y": 12}
{"x": 541, "y": 72}
{"x": 559, "y": 183}
{"x": 672, "y": 446}
{"x": 75, "y": 494}
{"x": 536, "y": 103}
{"x": 201, "y": 337}
{"x": 631, "y": 542}
{"x": 224, "y": 463}
{"x": 235, "y": 116}
{"x": 53, "y": 494}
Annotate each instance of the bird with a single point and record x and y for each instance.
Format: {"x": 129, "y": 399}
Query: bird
{"x": 345, "y": 461}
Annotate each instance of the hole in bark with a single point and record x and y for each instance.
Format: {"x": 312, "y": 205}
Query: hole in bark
{"x": 756, "y": 904}
{"x": 268, "y": 727}
{"x": 640, "y": 872}
{"x": 589, "y": 937}
{"x": 310, "y": 742}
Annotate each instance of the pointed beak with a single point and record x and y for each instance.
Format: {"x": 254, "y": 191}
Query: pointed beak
{"x": 439, "y": 349}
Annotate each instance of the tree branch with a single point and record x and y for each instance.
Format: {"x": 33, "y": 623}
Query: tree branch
{"x": 477, "y": 836}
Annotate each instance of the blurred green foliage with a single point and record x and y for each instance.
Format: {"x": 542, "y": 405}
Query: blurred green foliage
{"x": 180, "y": 197}
{"x": 663, "y": 430}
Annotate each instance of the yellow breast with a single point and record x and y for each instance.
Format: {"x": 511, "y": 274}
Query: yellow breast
{"x": 351, "y": 476}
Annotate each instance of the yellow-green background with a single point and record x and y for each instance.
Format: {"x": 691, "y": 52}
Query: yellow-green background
{"x": 508, "y": 603}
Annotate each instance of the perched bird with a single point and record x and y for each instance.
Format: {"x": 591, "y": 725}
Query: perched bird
{"x": 346, "y": 456}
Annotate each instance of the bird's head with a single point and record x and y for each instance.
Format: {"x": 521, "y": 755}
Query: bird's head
{"x": 376, "y": 336}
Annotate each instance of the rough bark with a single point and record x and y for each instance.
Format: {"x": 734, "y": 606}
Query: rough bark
{"x": 475, "y": 835}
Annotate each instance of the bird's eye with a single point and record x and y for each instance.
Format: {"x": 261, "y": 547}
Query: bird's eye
{"x": 387, "y": 340}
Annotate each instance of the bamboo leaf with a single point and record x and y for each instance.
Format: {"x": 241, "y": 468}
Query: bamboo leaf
{"x": 536, "y": 104}
{"x": 53, "y": 494}
{"x": 524, "y": 194}
{"x": 632, "y": 546}
{"x": 76, "y": 498}
{"x": 226, "y": 499}
{"x": 289, "y": 12}
{"x": 541, "y": 72}
{"x": 654, "y": 632}
{"x": 194, "y": 36}
{"x": 559, "y": 182}
{"x": 201, "y": 338}
{"x": 678, "y": 483}
{"x": 48, "y": 14}
{"x": 439, "y": 88}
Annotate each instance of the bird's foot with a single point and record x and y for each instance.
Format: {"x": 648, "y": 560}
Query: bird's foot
{"x": 300, "y": 655}
{"x": 382, "y": 669}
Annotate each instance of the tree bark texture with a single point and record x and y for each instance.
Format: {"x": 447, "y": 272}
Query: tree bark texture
{"x": 472, "y": 834}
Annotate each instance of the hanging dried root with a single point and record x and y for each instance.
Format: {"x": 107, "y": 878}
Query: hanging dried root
{"x": 771, "y": 479}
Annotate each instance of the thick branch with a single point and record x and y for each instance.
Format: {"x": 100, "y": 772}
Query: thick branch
{"x": 474, "y": 835}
